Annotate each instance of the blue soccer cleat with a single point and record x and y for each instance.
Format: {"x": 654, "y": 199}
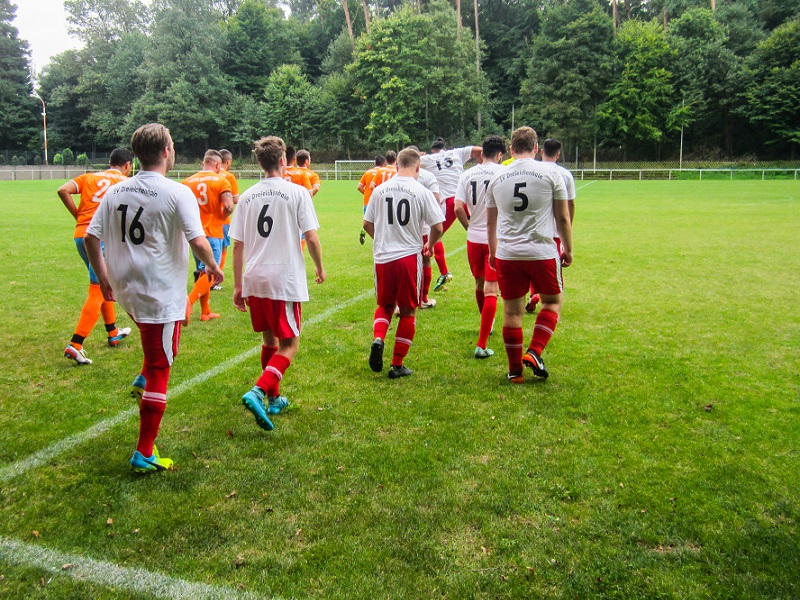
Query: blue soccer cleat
{"x": 137, "y": 388}
{"x": 276, "y": 404}
{"x": 254, "y": 402}
{"x": 122, "y": 333}
{"x": 143, "y": 464}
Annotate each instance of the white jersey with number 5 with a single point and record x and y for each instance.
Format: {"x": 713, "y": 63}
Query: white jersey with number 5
{"x": 523, "y": 193}
{"x": 447, "y": 166}
{"x": 472, "y": 191}
{"x": 145, "y": 223}
{"x": 399, "y": 208}
{"x": 267, "y": 221}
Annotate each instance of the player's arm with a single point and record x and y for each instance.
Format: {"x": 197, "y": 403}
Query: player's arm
{"x": 361, "y": 187}
{"x": 238, "y": 263}
{"x": 202, "y": 250}
{"x": 461, "y": 213}
{"x": 491, "y": 232}
{"x": 476, "y": 154}
{"x": 314, "y": 189}
{"x": 434, "y": 236}
{"x": 564, "y": 227}
{"x": 315, "y": 251}
{"x": 95, "y": 254}
{"x": 571, "y": 211}
{"x": 226, "y": 200}
{"x": 65, "y": 192}
{"x": 369, "y": 227}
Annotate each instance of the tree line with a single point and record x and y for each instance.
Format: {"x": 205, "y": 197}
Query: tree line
{"x": 346, "y": 78}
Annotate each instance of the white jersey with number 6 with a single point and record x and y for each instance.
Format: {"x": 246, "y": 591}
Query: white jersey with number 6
{"x": 145, "y": 223}
{"x": 471, "y": 191}
{"x": 399, "y": 208}
{"x": 523, "y": 193}
{"x": 267, "y": 221}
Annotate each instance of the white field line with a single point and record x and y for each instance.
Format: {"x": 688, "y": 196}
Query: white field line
{"x": 586, "y": 185}
{"x": 99, "y": 572}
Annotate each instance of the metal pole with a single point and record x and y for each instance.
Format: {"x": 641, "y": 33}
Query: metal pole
{"x": 680, "y": 161}
{"x": 44, "y": 126}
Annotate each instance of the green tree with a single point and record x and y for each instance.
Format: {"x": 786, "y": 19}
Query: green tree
{"x": 257, "y": 41}
{"x": 641, "y": 105}
{"x": 569, "y": 70}
{"x": 771, "y": 91}
{"x": 19, "y": 112}
{"x": 243, "y": 118}
{"x": 414, "y": 75}
{"x": 287, "y": 97}
{"x": 105, "y": 21}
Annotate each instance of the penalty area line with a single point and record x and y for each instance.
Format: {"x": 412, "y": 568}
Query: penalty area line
{"x": 107, "y": 574}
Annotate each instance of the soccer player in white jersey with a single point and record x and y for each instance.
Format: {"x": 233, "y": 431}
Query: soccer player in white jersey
{"x": 471, "y": 195}
{"x": 269, "y": 272}
{"x": 427, "y": 179}
{"x": 145, "y": 223}
{"x": 523, "y": 203}
{"x": 395, "y": 216}
{"x": 447, "y": 166}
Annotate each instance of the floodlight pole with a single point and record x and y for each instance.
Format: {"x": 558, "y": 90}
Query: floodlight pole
{"x": 44, "y": 126}
{"x": 680, "y": 158}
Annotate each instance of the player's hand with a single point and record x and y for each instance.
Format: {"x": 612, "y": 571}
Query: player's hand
{"x": 215, "y": 275}
{"x": 320, "y": 275}
{"x": 238, "y": 301}
{"x": 566, "y": 259}
{"x": 108, "y": 292}
{"x": 427, "y": 250}
{"x": 492, "y": 261}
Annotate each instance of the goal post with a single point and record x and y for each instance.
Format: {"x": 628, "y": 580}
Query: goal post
{"x": 351, "y": 169}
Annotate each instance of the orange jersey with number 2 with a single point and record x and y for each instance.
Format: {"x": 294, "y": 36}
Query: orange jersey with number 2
{"x": 92, "y": 187}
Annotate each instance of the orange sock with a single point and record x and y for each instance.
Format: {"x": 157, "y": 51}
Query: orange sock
{"x": 90, "y": 311}
{"x": 109, "y": 317}
{"x": 201, "y": 288}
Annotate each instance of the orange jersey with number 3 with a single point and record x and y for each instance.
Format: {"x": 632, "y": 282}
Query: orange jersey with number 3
{"x": 207, "y": 187}
{"x": 92, "y": 187}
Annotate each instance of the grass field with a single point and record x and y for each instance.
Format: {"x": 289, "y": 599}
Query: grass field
{"x": 660, "y": 460}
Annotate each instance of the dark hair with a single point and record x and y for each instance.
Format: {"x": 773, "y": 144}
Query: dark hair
{"x": 291, "y": 152}
{"x": 524, "y": 139}
{"x": 148, "y": 142}
{"x": 268, "y": 151}
{"x": 438, "y": 144}
{"x": 391, "y": 157}
{"x": 120, "y": 157}
{"x": 303, "y": 156}
{"x": 493, "y": 145}
{"x": 551, "y": 147}
{"x": 380, "y": 160}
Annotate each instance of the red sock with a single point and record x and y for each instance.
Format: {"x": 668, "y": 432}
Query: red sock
{"x": 543, "y": 330}
{"x": 403, "y": 339}
{"x": 427, "y": 275}
{"x": 267, "y": 352}
{"x": 479, "y": 297}
{"x": 487, "y": 319}
{"x": 512, "y": 338}
{"x": 151, "y": 410}
{"x": 270, "y": 380}
{"x": 381, "y": 323}
{"x": 438, "y": 256}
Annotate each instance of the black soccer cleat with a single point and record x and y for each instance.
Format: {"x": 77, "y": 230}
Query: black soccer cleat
{"x": 398, "y": 371}
{"x": 376, "y": 355}
{"x": 535, "y": 362}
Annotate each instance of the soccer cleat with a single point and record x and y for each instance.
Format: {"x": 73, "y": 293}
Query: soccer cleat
{"x": 254, "y": 402}
{"x": 429, "y": 303}
{"x": 515, "y": 377}
{"x": 483, "y": 352}
{"x": 79, "y": 356}
{"x": 209, "y": 316}
{"x": 398, "y": 371}
{"x": 530, "y": 307}
{"x": 442, "y": 280}
{"x": 535, "y": 362}
{"x": 137, "y": 388}
{"x": 396, "y": 310}
{"x": 122, "y": 333}
{"x": 276, "y": 404}
{"x": 362, "y": 236}
{"x": 143, "y": 464}
{"x": 217, "y": 287}
{"x": 376, "y": 355}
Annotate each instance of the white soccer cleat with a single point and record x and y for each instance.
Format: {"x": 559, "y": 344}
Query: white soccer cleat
{"x": 79, "y": 356}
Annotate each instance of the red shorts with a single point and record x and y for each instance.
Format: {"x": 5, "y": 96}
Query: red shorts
{"x": 281, "y": 317}
{"x": 399, "y": 281}
{"x": 159, "y": 343}
{"x": 478, "y": 256}
{"x": 449, "y": 213}
{"x": 515, "y": 277}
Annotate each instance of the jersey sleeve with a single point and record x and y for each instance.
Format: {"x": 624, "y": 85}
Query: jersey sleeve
{"x": 559, "y": 188}
{"x": 80, "y": 182}
{"x": 465, "y": 153}
{"x": 461, "y": 190}
{"x": 188, "y": 214}
{"x": 370, "y": 215}
{"x": 233, "y": 181}
{"x": 431, "y": 213}
{"x": 306, "y": 215}
{"x": 426, "y": 161}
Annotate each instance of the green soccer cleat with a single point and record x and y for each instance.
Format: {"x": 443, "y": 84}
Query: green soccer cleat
{"x": 143, "y": 464}
{"x": 442, "y": 280}
{"x": 483, "y": 352}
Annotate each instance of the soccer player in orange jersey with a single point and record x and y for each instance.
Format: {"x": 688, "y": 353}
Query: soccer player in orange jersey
{"x": 213, "y": 194}
{"x": 386, "y": 172}
{"x": 92, "y": 187}
{"x": 294, "y": 173}
{"x": 225, "y": 169}
{"x": 365, "y": 188}
{"x": 304, "y": 162}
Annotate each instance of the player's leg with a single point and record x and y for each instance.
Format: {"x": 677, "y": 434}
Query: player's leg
{"x": 160, "y": 345}
{"x": 427, "y": 277}
{"x": 205, "y": 297}
{"x": 513, "y": 284}
{"x": 438, "y": 248}
{"x": 409, "y": 281}
{"x": 386, "y": 294}
{"x": 546, "y": 275}
{"x": 226, "y": 241}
